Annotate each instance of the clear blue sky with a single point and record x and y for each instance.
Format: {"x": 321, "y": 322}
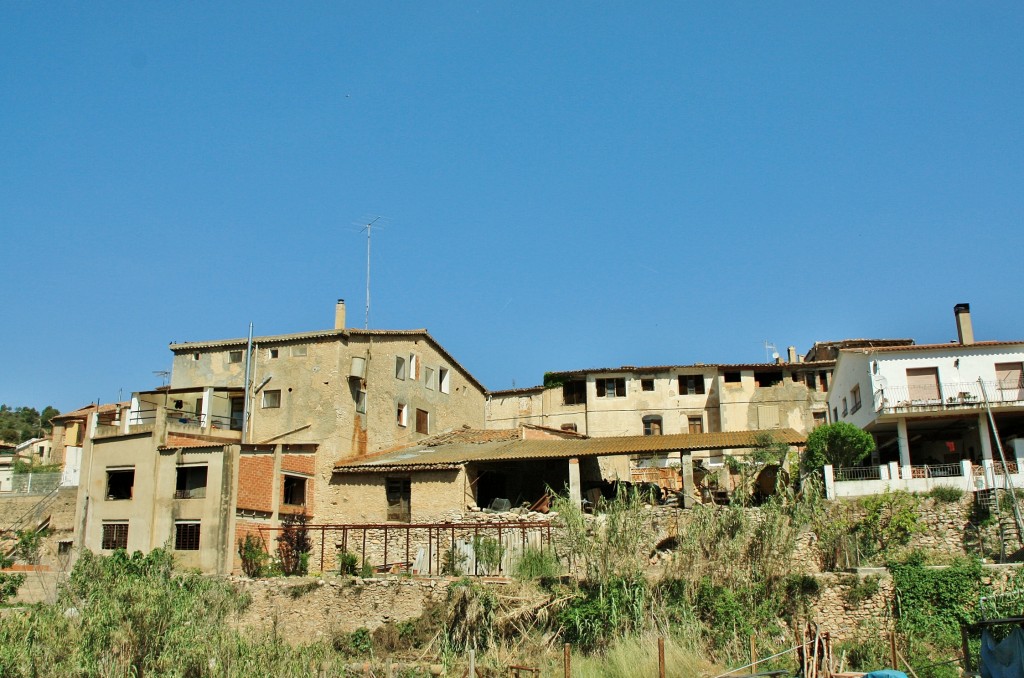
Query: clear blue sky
{"x": 564, "y": 185}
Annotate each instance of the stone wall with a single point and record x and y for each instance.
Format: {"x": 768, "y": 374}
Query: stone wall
{"x": 309, "y": 609}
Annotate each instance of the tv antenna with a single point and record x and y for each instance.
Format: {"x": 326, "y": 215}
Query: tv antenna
{"x": 369, "y": 231}
{"x": 771, "y": 352}
{"x": 163, "y": 374}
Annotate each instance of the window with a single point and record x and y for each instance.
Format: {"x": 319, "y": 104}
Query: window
{"x": 652, "y": 425}
{"x": 810, "y": 381}
{"x": 835, "y": 414}
{"x": 569, "y": 427}
{"x": 294, "y": 491}
{"x": 195, "y": 356}
{"x": 63, "y": 547}
{"x": 414, "y": 366}
{"x": 186, "y": 536}
{"x": 922, "y": 383}
{"x": 732, "y": 377}
{"x": 846, "y": 409}
{"x": 766, "y": 379}
{"x": 1010, "y": 380}
{"x": 403, "y": 414}
{"x": 271, "y": 399}
{"x": 399, "y": 495}
{"x": 696, "y": 424}
{"x": 235, "y": 356}
{"x": 428, "y": 377}
{"x": 574, "y": 392}
{"x": 819, "y": 418}
{"x": 823, "y": 378}
{"x": 767, "y": 416}
{"x": 299, "y": 351}
{"x": 190, "y": 482}
{"x": 691, "y": 384}
{"x": 274, "y": 353}
{"x": 855, "y": 397}
{"x": 399, "y": 367}
{"x": 611, "y": 388}
{"x": 444, "y": 381}
{"x": 120, "y": 483}
{"x": 646, "y": 384}
{"x": 115, "y": 536}
{"x": 361, "y": 402}
{"x": 422, "y": 421}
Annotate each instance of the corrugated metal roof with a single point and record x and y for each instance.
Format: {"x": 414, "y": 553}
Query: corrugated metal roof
{"x": 459, "y": 453}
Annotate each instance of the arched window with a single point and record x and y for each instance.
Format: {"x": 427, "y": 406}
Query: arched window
{"x": 652, "y": 425}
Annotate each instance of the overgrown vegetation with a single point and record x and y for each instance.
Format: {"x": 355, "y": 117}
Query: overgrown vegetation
{"x": 253, "y": 556}
{"x": 18, "y": 424}
{"x": 946, "y": 494}
{"x": 294, "y": 546}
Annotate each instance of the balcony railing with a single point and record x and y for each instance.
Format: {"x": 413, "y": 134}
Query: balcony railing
{"x": 217, "y": 421}
{"x": 936, "y": 471}
{"x": 950, "y": 396}
{"x": 858, "y": 473}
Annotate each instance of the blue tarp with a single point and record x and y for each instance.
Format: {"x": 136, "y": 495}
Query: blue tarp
{"x": 1004, "y": 659}
{"x": 886, "y": 673}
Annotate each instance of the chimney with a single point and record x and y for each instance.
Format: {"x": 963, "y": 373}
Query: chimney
{"x": 964, "y": 330}
{"x": 791, "y": 351}
{"x": 339, "y": 315}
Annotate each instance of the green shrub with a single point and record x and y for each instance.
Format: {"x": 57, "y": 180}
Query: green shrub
{"x": 348, "y": 563}
{"x": 29, "y": 544}
{"x": 366, "y": 570}
{"x": 253, "y": 556}
{"x": 861, "y": 589}
{"x": 537, "y": 564}
{"x": 9, "y": 584}
{"x": 488, "y": 553}
{"x": 947, "y": 494}
{"x": 293, "y": 547}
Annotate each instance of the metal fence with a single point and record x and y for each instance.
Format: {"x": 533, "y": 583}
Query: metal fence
{"x": 34, "y": 483}
{"x": 423, "y": 548}
{"x": 858, "y": 473}
{"x": 946, "y": 396}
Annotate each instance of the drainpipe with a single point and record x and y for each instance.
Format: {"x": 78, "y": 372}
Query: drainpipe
{"x": 245, "y": 385}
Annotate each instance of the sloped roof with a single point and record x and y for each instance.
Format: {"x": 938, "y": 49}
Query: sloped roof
{"x": 949, "y": 346}
{"x": 186, "y": 347}
{"x": 422, "y": 457}
{"x": 176, "y": 441}
{"x": 83, "y": 412}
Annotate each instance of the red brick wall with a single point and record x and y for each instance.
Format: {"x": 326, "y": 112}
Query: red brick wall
{"x": 299, "y": 463}
{"x": 246, "y": 527}
{"x": 256, "y": 482}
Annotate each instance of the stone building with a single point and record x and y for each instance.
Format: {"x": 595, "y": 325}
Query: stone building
{"x": 200, "y": 463}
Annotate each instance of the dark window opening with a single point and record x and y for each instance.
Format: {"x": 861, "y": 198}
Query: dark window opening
{"x": 63, "y": 547}
{"x": 115, "y": 536}
{"x": 611, "y": 388}
{"x": 646, "y": 384}
{"x": 691, "y": 384}
{"x": 422, "y": 421}
{"x": 235, "y": 356}
{"x": 186, "y": 536}
{"x": 819, "y": 418}
{"x": 274, "y": 352}
{"x": 823, "y": 378}
{"x": 811, "y": 381}
{"x": 294, "y": 491}
{"x": 120, "y": 484}
{"x": 574, "y": 392}
{"x": 569, "y": 427}
{"x": 765, "y": 379}
{"x": 652, "y": 425}
{"x": 191, "y": 482}
{"x": 732, "y": 377}
{"x": 399, "y": 496}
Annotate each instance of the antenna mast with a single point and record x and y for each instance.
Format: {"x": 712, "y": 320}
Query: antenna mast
{"x": 368, "y": 228}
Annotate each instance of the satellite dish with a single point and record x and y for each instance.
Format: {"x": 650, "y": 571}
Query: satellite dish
{"x": 775, "y": 355}
{"x": 882, "y": 382}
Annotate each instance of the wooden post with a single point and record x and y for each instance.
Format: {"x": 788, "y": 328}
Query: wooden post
{"x": 661, "y": 658}
{"x": 567, "y": 660}
{"x": 892, "y": 649}
{"x": 472, "y": 663}
{"x": 966, "y": 648}
{"x": 753, "y": 654}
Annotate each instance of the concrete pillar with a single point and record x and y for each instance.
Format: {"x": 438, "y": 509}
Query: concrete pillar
{"x": 830, "y": 482}
{"x": 575, "y": 490}
{"x": 883, "y": 472}
{"x": 967, "y": 471}
{"x": 893, "y": 470}
{"x": 689, "y": 489}
{"x": 986, "y": 437}
{"x": 205, "y": 414}
{"x": 904, "y": 443}
{"x": 1018, "y": 453}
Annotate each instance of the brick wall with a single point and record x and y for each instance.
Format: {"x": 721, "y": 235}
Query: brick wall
{"x": 256, "y": 482}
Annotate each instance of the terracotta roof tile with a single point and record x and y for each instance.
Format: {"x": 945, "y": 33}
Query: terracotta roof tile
{"x": 425, "y": 458}
{"x": 953, "y": 345}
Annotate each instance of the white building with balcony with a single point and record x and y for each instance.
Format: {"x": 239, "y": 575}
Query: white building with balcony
{"x": 925, "y": 405}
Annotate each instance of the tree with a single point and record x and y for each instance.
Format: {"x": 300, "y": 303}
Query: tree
{"x": 22, "y": 423}
{"x": 840, "y": 444}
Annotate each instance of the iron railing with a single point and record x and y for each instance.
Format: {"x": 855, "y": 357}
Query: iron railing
{"x": 961, "y": 395}
{"x": 857, "y": 473}
{"x": 438, "y": 548}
